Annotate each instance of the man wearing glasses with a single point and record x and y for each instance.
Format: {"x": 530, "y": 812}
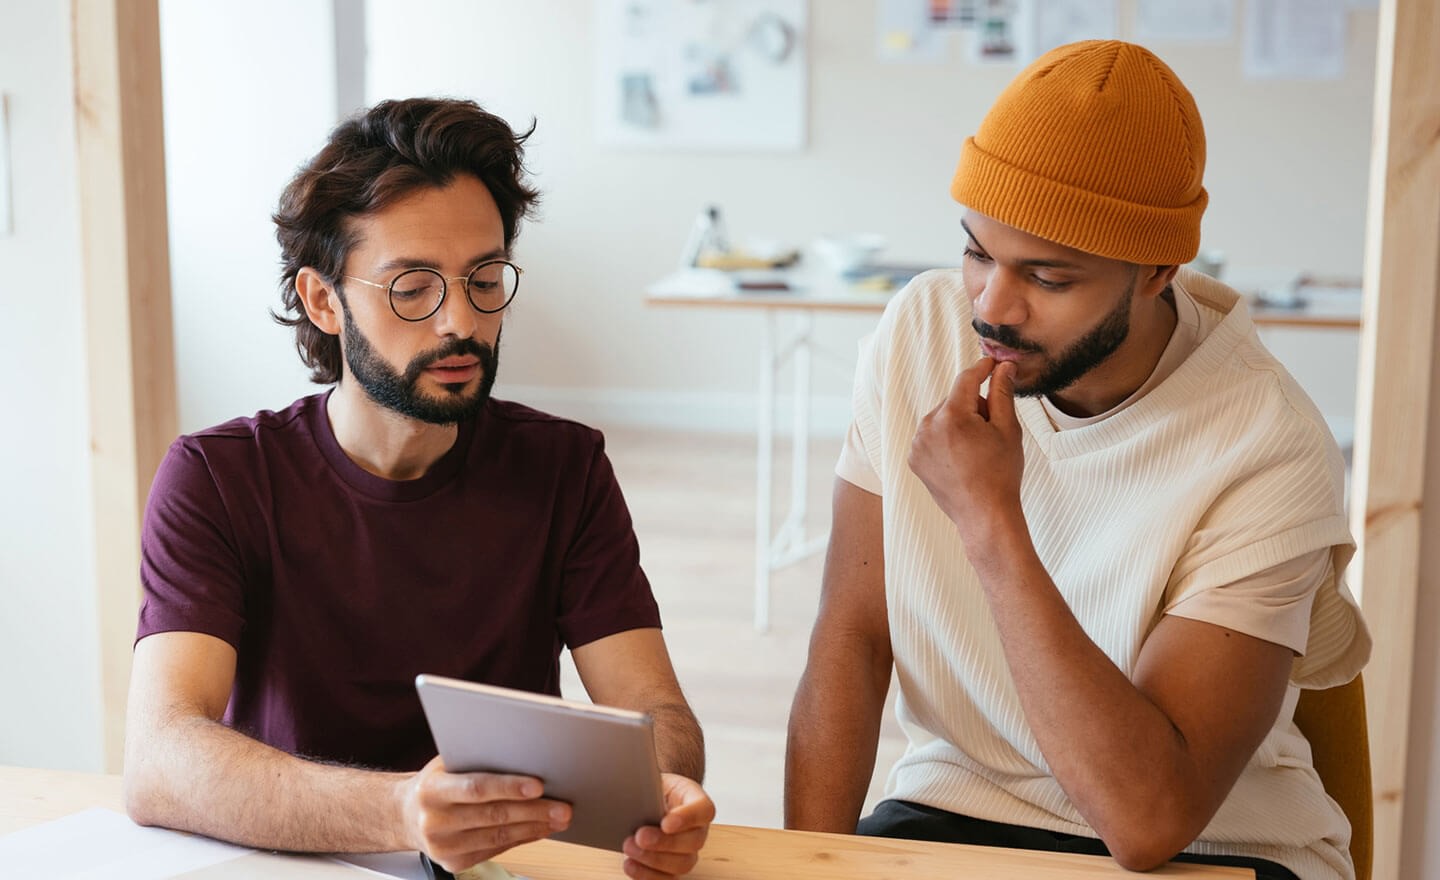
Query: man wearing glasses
{"x": 301, "y": 567}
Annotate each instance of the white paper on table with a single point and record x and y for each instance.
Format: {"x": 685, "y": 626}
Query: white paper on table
{"x": 100, "y": 844}
{"x": 1295, "y": 39}
{"x": 1184, "y": 21}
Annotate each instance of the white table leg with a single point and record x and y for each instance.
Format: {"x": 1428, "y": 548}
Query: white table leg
{"x": 800, "y": 440}
{"x": 764, "y": 433}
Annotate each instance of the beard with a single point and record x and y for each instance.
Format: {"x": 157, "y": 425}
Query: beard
{"x": 400, "y": 392}
{"x": 1078, "y": 358}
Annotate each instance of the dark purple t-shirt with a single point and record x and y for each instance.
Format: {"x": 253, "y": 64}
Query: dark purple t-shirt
{"x": 336, "y": 587}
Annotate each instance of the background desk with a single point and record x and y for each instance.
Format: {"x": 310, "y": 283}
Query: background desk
{"x": 808, "y": 294}
{"x": 28, "y": 797}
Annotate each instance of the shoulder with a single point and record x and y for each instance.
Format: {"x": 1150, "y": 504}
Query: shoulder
{"x": 246, "y": 439}
{"x": 523, "y": 430}
{"x": 518, "y": 417}
{"x": 923, "y": 337}
{"x": 263, "y": 425}
{"x": 1239, "y": 373}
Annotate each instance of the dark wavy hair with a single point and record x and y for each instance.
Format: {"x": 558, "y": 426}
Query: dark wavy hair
{"x": 372, "y": 160}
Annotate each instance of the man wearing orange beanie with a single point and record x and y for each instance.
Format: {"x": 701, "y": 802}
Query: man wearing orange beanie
{"x": 1103, "y": 577}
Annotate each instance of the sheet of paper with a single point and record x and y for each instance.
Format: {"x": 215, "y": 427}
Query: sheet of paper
{"x": 1184, "y": 21}
{"x": 1295, "y": 39}
{"x": 904, "y": 33}
{"x": 101, "y": 844}
{"x": 1058, "y": 22}
{"x": 104, "y": 845}
{"x": 1003, "y": 33}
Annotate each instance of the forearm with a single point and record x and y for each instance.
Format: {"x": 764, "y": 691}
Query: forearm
{"x": 834, "y": 731}
{"x": 1120, "y": 759}
{"x": 198, "y": 775}
{"x": 679, "y": 742}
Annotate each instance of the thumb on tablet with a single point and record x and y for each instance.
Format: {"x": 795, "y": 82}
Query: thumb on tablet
{"x": 686, "y": 804}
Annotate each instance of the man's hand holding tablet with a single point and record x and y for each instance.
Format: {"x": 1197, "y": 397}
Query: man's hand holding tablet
{"x": 529, "y": 766}
{"x": 673, "y": 848}
{"x": 461, "y": 819}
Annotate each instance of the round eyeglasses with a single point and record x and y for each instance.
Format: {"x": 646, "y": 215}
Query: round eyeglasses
{"x": 416, "y": 294}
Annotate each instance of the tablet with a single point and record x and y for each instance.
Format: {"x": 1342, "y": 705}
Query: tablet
{"x": 598, "y": 759}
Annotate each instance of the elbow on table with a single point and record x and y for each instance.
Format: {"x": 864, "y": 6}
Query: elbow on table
{"x": 1149, "y": 846}
{"x": 142, "y": 794}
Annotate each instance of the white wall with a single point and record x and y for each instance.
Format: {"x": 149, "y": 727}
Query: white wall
{"x": 249, "y": 95}
{"x": 1287, "y": 176}
{"x": 49, "y": 659}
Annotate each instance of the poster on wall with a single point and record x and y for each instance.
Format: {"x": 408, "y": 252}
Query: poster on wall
{"x": 905, "y": 32}
{"x": 1058, "y": 22}
{"x": 1003, "y": 33}
{"x": 700, "y": 74}
{"x": 1187, "y": 21}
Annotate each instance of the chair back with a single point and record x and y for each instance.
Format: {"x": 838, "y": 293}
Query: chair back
{"x": 1333, "y": 720}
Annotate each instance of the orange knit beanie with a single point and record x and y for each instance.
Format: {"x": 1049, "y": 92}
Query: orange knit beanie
{"x": 1098, "y": 146}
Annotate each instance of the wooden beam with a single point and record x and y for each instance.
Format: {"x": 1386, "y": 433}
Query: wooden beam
{"x": 126, "y": 256}
{"x": 1402, "y": 284}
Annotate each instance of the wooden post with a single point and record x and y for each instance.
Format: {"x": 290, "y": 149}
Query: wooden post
{"x": 126, "y": 256}
{"x": 1397, "y": 355}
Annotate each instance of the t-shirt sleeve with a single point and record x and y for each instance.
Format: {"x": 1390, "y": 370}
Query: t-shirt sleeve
{"x": 191, "y": 576}
{"x": 1273, "y": 604}
{"x": 604, "y": 590}
{"x": 859, "y": 461}
{"x": 854, "y": 464}
{"x": 1241, "y": 567}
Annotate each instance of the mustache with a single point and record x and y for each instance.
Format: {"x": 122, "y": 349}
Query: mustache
{"x": 453, "y": 348}
{"x": 1006, "y": 336}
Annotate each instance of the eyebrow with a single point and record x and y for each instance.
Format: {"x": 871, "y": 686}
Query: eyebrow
{"x": 1034, "y": 264}
{"x": 413, "y": 263}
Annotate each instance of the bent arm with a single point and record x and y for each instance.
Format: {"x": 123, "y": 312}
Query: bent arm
{"x": 835, "y": 719}
{"x": 184, "y": 769}
{"x": 1149, "y": 762}
{"x": 632, "y": 670}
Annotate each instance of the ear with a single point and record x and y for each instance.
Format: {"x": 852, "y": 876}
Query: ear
{"x": 1153, "y": 280}
{"x": 321, "y": 302}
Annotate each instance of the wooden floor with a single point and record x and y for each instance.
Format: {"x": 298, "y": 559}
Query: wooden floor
{"x": 693, "y": 500}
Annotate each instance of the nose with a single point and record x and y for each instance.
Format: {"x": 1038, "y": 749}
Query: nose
{"x": 456, "y": 317}
{"x": 1001, "y": 301}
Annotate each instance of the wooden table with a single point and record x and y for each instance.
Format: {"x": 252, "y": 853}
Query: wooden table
{"x": 28, "y": 797}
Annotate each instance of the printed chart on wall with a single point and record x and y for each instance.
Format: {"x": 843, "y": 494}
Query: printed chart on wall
{"x": 700, "y": 74}
{"x": 1012, "y": 32}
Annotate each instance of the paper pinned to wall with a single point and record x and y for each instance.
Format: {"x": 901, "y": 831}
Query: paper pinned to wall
{"x": 1058, "y": 22}
{"x": 1187, "y": 21}
{"x": 1295, "y": 39}
{"x": 1003, "y": 33}
{"x": 905, "y": 33}
{"x": 726, "y": 76}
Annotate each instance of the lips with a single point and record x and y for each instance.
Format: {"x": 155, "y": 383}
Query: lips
{"x": 1000, "y": 353}
{"x": 454, "y": 369}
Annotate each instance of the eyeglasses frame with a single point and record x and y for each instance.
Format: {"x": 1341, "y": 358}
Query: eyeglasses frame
{"x": 444, "y": 289}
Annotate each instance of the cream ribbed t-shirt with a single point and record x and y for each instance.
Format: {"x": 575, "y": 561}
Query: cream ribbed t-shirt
{"x": 1186, "y": 499}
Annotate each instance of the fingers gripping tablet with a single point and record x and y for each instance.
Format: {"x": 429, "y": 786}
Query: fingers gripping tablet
{"x": 598, "y": 759}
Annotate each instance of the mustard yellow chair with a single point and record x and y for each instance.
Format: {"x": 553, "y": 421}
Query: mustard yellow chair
{"x": 1334, "y": 722}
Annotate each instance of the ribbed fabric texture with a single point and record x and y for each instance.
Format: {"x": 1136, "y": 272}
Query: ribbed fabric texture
{"x": 1223, "y": 470}
{"x": 1098, "y": 146}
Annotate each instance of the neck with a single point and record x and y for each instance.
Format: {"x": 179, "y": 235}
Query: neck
{"x": 382, "y": 441}
{"x": 1121, "y": 375}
